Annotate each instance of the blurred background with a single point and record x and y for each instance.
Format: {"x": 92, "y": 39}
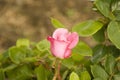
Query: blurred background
{"x": 31, "y": 18}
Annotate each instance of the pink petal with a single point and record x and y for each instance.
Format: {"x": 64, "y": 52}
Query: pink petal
{"x": 67, "y": 53}
{"x": 73, "y": 38}
{"x": 61, "y": 34}
{"x": 58, "y": 48}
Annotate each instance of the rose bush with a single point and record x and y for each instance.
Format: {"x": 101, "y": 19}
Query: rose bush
{"x": 75, "y": 59}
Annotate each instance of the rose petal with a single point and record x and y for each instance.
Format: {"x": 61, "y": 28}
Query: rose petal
{"x": 58, "y": 48}
{"x": 60, "y": 34}
{"x": 73, "y": 38}
{"x": 67, "y": 53}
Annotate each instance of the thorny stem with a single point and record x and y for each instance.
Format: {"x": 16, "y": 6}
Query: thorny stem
{"x": 57, "y": 65}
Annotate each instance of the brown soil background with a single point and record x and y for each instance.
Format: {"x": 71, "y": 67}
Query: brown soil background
{"x": 31, "y": 18}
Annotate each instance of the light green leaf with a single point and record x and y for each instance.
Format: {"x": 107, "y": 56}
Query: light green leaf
{"x": 23, "y": 42}
{"x": 87, "y": 28}
{"x": 110, "y": 64}
{"x": 43, "y": 45}
{"x": 104, "y": 7}
{"x": 17, "y": 54}
{"x": 40, "y": 73}
{"x": 98, "y": 71}
{"x": 74, "y": 76}
{"x": 113, "y": 31}
{"x": 85, "y": 76}
{"x": 2, "y": 75}
{"x": 56, "y": 23}
{"x": 82, "y": 49}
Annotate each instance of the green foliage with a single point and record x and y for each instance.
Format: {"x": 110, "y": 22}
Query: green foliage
{"x": 99, "y": 36}
{"x": 56, "y": 23}
{"x": 27, "y": 61}
{"x": 82, "y": 49}
{"x": 113, "y": 33}
{"x": 41, "y": 73}
{"x": 104, "y": 7}
{"x": 99, "y": 72}
{"x": 74, "y": 76}
{"x": 87, "y": 28}
{"x": 85, "y": 76}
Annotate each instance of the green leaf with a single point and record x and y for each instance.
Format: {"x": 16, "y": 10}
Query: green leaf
{"x": 104, "y": 7}
{"x": 99, "y": 51}
{"x": 85, "y": 76}
{"x": 43, "y": 45}
{"x": 77, "y": 57}
{"x": 87, "y": 28}
{"x": 69, "y": 63}
{"x": 40, "y": 73}
{"x": 115, "y": 5}
{"x": 113, "y": 31}
{"x": 110, "y": 64}
{"x": 82, "y": 49}
{"x": 23, "y": 42}
{"x": 98, "y": 71}
{"x": 116, "y": 77}
{"x": 117, "y": 14}
{"x": 97, "y": 79}
{"x": 74, "y": 76}
{"x": 56, "y": 23}
{"x": 113, "y": 50}
{"x": 2, "y": 75}
{"x": 17, "y": 54}
{"x": 20, "y": 73}
{"x": 99, "y": 36}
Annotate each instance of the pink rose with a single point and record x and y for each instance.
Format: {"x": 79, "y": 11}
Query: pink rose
{"x": 62, "y": 42}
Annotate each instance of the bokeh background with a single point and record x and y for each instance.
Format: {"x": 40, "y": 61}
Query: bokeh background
{"x": 31, "y": 18}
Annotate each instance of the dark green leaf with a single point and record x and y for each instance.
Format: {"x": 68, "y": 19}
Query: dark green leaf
{"x": 40, "y": 73}
{"x": 113, "y": 31}
{"x": 56, "y": 23}
{"x": 74, "y": 76}
{"x": 110, "y": 64}
{"x": 99, "y": 52}
{"x": 82, "y": 49}
{"x": 98, "y": 71}
{"x": 99, "y": 36}
{"x": 87, "y": 28}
